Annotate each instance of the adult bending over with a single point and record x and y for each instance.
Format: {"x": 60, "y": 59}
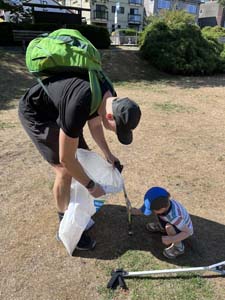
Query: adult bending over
{"x": 55, "y": 122}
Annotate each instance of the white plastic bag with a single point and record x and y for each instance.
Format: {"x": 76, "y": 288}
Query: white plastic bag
{"x": 100, "y": 171}
{"x": 81, "y": 206}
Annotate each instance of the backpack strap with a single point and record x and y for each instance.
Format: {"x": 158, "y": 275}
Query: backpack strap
{"x": 104, "y": 78}
{"x": 43, "y": 86}
{"x": 95, "y": 78}
{"x": 95, "y": 91}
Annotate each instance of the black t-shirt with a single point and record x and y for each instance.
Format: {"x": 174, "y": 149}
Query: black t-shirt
{"x": 69, "y": 103}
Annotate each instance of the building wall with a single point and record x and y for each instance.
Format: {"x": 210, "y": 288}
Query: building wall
{"x": 102, "y": 12}
{"x": 211, "y": 14}
{"x": 209, "y": 9}
{"x": 153, "y": 7}
{"x": 149, "y": 7}
{"x": 47, "y": 2}
{"x": 81, "y": 4}
{"x": 130, "y": 15}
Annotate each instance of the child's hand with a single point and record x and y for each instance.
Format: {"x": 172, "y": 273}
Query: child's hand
{"x": 135, "y": 211}
{"x": 167, "y": 240}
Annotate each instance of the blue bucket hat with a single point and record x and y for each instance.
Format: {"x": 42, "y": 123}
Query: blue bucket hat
{"x": 150, "y": 196}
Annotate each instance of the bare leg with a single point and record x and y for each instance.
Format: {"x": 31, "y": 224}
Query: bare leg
{"x": 171, "y": 231}
{"x": 61, "y": 188}
{"x": 174, "y": 249}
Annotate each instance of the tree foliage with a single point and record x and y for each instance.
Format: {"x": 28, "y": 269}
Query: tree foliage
{"x": 173, "y": 43}
{"x": 172, "y": 17}
{"x": 213, "y": 32}
{"x": 222, "y": 2}
{"x": 17, "y": 12}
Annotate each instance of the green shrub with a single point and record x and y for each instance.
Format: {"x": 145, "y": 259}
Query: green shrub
{"x": 175, "y": 17}
{"x": 127, "y": 32}
{"x": 98, "y": 36}
{"x": 6, "y": 37}
{"x": 213, "y": 32}
{"x": 213, "y": 35}
{"x": 177, "y": 46}
{"x": 38, "y": 26}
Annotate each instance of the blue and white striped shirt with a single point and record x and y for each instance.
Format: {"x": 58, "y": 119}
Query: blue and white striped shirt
{"x": 178, "y": 216}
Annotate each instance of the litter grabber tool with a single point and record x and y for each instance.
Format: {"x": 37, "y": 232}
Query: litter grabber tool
{"x": 129, "y": 208}
{"x": 127, "y": 201}
{"x": 119, "y": 275}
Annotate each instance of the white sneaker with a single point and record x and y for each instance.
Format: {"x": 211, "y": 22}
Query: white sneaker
{"x": 173, "y": 251}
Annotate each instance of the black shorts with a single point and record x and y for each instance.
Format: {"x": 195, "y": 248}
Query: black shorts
{"x": 45, "y": 136}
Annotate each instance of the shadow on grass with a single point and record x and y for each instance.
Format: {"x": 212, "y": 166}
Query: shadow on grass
{"x": 119, "y": 64}
{"x": 128, "y": 66}
{"x": 207, "y": 243}
{"x": 14, "y": 78}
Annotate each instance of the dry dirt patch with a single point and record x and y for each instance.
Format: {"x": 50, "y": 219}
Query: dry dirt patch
{"x": 179, "y": 145}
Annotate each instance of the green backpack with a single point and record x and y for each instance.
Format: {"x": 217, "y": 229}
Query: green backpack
{"x": 66, "y": 50}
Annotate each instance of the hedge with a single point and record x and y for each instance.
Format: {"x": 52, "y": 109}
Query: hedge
{"x": 98, "y": 36}
{"x": 181, "y": 48}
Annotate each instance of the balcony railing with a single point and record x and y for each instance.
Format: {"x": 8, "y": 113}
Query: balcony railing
{"x": 99, "y": 1}
{"x": 99, "y": 14}
{"x": 124, "y": 40}
{"x": 135, "y": 2}
{"x": 134, "y": 19}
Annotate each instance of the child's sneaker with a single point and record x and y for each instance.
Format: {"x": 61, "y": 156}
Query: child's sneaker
{"x": 155, "y": 227}
{"x": 173, "y": 251}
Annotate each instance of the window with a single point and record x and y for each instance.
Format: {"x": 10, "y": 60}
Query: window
{"x": 101, "y": 12}
{"x": 100, "y": 7}
{"x": 164, "y": 4}
{"x": 135, "y": 2}
{"x": 191, "y": 9}
{"x": 120, "y": 11}
{"x": 134, "y": 18}
{"x": 134, "y": 11}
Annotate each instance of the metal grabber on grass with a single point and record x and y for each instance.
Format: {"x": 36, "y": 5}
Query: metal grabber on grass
{"x": 127, "y": 201}
{"x": 117, "y": 276}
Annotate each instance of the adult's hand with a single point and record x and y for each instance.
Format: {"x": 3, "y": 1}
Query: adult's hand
{"x": 111, "y": 158}
{"x": 97, "y": 191}
{"x": 115, "y": 162}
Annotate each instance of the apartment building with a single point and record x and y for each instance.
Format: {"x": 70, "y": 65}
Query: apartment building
{"x": 211, "y": 13}
{"x": 153, "y": 7}
{"x": 130, "y": 13}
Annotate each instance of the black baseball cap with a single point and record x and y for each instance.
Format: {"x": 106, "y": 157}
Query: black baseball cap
{"x": 127, "y": 115}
